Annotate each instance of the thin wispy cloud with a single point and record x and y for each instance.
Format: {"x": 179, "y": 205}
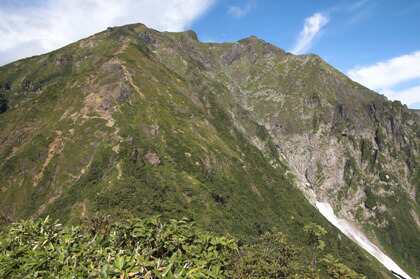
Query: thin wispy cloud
{"x": 357, "y": 5}
{"x": 241, "y": 11}
{"x": 311, "y": 29}
{"x": 49, "y": 24}
{"x": 385, "y": 76}
{"x": 361, "y": 10}
{"x": 314, "y": 24}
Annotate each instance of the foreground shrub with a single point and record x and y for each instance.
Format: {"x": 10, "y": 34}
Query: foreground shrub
{"x": 144, "y": 248}
{"x": 337, "y": 270}
{"x": 150, "y": 248}
{"x": 271, "y": 256}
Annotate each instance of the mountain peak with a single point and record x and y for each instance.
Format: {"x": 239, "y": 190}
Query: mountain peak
{"x": 252, "y": 40}
{"x": 191, "y": 34}
{"x": 240, "y": 136}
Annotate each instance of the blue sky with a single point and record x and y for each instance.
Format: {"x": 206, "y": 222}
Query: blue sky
{"x": 356, "y": 35}
{"x": 375, "y": 42}
{"x": 362, "y": 32}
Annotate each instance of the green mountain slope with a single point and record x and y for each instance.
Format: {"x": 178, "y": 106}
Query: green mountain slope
{"x": 417, "y": 111}
{"x": 238, "y": 136}
{"x": 149, "y": 248}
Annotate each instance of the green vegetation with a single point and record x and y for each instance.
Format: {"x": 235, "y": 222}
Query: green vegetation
{"x": 150, "y": 248}
{"x": 371, "y": 200}
{"x": 351, "y": 173}
{"x": 133, "y": 122}
{"x": 271, "y": 256}
{"x": 135, "y": 249}
{"x": 314, "y": 235}
{"x": 337, "y": 270}
{"x": 3, "y": 103}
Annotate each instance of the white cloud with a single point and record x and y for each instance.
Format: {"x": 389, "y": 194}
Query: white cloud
{"x": 357, "y": 5}
{"x": 313, "y": 25}
{"x": 386, "y": 75}
{"x": 237, "y": 11}
{"x": 409, "y": 96}
{"x": 50, "y": 24}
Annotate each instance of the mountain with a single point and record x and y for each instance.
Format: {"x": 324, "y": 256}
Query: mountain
{"x": 417, "y": 111}
{"x": 242, "y": 137}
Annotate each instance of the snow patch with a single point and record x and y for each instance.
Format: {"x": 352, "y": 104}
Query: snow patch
{"x": 357, "y": 236}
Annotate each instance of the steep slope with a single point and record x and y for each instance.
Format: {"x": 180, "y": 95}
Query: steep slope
{"x": 347, "y": 145}
{"x": 353, "y": 233}
{"x": 417, "y": 111}
{"x": 132, "y": 121}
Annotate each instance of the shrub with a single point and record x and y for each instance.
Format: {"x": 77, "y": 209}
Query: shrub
{"x": 144, "y": 248}
{"x": 3, "y": 103}
{"x": 150, "y": 248}
{"x": 271, "y": 256}
{"x": 337, "y": 270}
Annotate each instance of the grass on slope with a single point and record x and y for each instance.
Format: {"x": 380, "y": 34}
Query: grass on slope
{"x": 149, "y": 248}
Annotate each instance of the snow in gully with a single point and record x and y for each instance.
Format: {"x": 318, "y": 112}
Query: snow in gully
{"x": 357, "y": 236}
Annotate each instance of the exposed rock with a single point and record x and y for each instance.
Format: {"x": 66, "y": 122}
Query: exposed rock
{"x": 30, "y": 86}
{"x": 232, "y": 55}
{"x": 231, "y": 120}
{"x": 125, "y": 93}
{"x": 54, "y": 149}
{"x": 191, "y": 34}
{"x": 152, "y": 158}
{"x": 63, "y": 60}
{"x": 147, "y": 37}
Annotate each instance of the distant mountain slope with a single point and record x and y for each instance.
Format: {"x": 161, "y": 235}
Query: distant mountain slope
{"x": 416, "y": 111}
{"x": 133, "y": 121}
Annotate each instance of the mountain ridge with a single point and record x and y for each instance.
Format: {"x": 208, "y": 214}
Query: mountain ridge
{"x": 165, "y": 109}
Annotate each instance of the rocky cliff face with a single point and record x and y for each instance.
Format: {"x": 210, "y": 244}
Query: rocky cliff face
{"x": 346, "y": 144}
{"x": 134, "y": 121}
{"x": 416, "y": 111}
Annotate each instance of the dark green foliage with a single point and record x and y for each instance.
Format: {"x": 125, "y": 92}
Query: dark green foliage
{"x": 271, "y": 256}
{"x": 370, "y": 198}
{"x": 399, "y": 230}
{"x": 416, "y": 181}
{"x": 150, "y": 248}
{"x": 368, "y": 153}
{"x": 135, "y": 249}
{"x": 3, "y": 103}
{"x": 261, "y": 132}
{"x": 350, "y": 172}
{"x": 196, "y": 107}
{"x": 314, "y": 239}
{"x": 337, "y": 270}
{"x": 380, "y": 138}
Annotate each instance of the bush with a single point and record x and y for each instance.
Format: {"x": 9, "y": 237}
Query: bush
{"x": 150, "y": 248}
{"x": 337, "y": 270}
{"x": 3, "y": 103}
{"x": 144, "y": 248}
{"x": 271, "y": 256}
